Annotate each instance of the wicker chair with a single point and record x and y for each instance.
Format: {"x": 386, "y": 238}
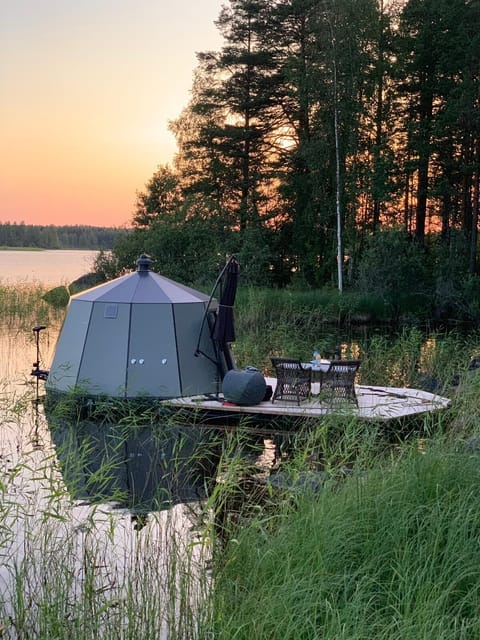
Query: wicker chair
{"x": 293, "y": 380}
{"x": 338, "y": 382}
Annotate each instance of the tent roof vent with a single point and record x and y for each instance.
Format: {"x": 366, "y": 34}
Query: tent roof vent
{"x": 143, "y": 263}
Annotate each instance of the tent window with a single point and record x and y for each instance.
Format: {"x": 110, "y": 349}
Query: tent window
{"x": 111, "y": 311}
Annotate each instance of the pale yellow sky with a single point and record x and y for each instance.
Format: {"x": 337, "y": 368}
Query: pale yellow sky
{"x": 87, "y": 88}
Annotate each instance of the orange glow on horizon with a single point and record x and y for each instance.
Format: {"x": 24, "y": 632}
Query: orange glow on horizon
{"x": 87, "y": 92}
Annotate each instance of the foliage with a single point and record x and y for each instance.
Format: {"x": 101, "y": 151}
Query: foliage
{"x": 437, "y": 45}
{"x": 357, "y": 107}
{"x": 188, "y": 253}
{"x": 57, "y": 297}
{"x": 457, "y": 291}
{"x": 107, "y": 265}
{"x": 161, "y": 198}
{"x": 394, "y": 269}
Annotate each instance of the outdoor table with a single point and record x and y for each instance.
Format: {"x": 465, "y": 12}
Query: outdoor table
{"x": 318, "y": 368}
{"x": 335, "y": 377}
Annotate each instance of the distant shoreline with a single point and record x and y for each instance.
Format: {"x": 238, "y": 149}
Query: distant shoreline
{"x": 6, "y": 248}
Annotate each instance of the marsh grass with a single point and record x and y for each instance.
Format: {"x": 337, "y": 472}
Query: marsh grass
{"x": 23, "y": 306}
{"x": 408, "y": 359}
{"x": 272, "y": 321}
{"x": 86, "y": 573}
{"x": 388, "y": 553}
{"x": 305, "y": 307}
{"x": 291, "y": 323}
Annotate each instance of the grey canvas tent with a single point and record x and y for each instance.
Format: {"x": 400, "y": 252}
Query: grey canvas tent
{"x": 138, "y": 335}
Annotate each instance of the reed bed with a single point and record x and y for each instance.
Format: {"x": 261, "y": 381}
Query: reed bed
{"x": 283, "y": 323}
{"x": 85, "y": 572}
{"x": 22, "y": 306}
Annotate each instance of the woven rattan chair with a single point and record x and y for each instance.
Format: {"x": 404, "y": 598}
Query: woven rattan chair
{"x": 293, "y": 380}
{"x": 338, "y": 382}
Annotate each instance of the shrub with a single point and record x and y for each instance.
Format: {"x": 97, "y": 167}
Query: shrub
{"x": 395, "y": 269}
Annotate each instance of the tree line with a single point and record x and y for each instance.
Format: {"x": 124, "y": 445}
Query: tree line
{"x": 57, "y": 237}
{"x": 326, "y": 139}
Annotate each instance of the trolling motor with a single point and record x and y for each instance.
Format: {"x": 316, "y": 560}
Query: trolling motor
{"x": 40, "y": 374}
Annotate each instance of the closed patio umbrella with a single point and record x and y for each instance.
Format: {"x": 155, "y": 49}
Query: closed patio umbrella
{"x": 224, "y": 331}
{"x": 224, "y": 326}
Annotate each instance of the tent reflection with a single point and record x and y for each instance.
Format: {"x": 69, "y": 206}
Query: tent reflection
{"x": 139, "y": 468}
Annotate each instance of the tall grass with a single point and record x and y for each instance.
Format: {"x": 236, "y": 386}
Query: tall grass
{"x": 88, "y": 545}
{"x": 86, "y": 572}
{"x": 390, "y": 553}
{"x": 291, "y": 323}
{"x": 317, "y": 305}
{"x": 23, "y": 306}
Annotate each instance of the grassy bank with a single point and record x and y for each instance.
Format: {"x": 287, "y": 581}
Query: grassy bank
{"x": 366, "y": 535}
{"x": 391, "y": 552}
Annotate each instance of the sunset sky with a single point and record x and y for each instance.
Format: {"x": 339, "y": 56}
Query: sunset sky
{"x": 87, "y": 88}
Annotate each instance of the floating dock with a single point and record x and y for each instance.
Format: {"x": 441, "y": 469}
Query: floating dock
{"x": 373, "y": 403}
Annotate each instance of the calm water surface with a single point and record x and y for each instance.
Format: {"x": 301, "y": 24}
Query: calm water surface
{"x": 45, "y": 267}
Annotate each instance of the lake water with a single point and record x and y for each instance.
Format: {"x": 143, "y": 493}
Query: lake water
{"x": 51, "y": 268}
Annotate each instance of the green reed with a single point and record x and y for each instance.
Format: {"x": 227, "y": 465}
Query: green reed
{"x": 85, "y": 551}
{"x": 23, "y": 306}
{"x": 388, "y": 552}
{"x": 279, "y": 325}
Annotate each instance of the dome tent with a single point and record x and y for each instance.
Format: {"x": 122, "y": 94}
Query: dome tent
{"x": 137, "y": 336}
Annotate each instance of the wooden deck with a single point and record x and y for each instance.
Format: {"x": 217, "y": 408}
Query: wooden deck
{"x": 374, "y": 403}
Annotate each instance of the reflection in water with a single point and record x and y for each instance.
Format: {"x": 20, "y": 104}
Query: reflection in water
{"x": 142, "y": 468}
{"x": 69, "y": 555}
